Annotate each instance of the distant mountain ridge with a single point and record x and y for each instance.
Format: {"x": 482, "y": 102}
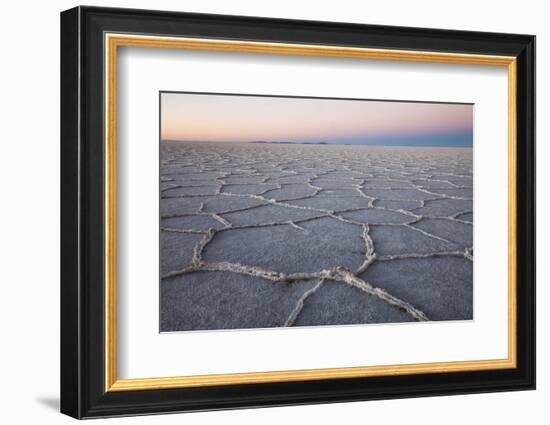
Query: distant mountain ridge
{"x": 451, "y": 141}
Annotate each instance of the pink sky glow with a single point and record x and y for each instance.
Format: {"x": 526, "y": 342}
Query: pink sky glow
{"x": 223, "y": 118}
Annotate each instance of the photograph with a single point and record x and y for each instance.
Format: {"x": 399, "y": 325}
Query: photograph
{"x": 285, "y": 211}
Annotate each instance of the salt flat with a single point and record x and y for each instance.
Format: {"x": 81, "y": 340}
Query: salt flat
{"x": 265, "y": 235}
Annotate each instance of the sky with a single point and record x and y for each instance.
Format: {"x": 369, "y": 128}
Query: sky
{"x": 230, "y": 118}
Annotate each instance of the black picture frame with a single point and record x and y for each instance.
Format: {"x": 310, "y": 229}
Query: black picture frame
{"x": 83, "y": 392}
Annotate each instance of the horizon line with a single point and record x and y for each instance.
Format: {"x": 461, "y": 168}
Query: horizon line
{"x": 323, "y": 143}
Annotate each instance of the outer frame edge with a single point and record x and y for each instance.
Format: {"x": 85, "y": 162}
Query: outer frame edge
{"x": 70, "y": 348}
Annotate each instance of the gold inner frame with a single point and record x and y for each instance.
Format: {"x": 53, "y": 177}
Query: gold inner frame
{"x": 113, "y": 41}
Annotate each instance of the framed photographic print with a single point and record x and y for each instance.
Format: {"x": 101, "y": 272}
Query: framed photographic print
{"x": 261, "y": 212}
